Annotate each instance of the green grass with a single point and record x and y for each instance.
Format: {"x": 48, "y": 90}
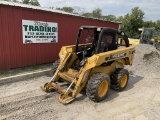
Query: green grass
{"x": 23, "y": 70}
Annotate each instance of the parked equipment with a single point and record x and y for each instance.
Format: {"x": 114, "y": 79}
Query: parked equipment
{"x": 95, "y": 64}
{"x": 150, "y": 36}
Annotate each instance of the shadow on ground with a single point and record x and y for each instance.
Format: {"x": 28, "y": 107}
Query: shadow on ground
{"x": 131, "y": 82}
{"x": 112, "y": 93}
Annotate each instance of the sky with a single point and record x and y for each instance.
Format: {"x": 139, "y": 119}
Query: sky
{"x": 151, "y": 8}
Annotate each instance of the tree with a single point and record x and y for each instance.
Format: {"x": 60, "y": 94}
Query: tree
{"x": 66, "y": 9}
{"x": 88, "y": 14}
{"x": 120, "y": 19}
{"x": 132, "y": 22}
{"x": 97, "y": 13}
{"x": 12, "y": 0}
{"x": 31, "y": 2}
{"x": 34, "y": 2}
{"x": 157, "y": 27}
{"x": 125, "y": 23}
{"x": 110, "y": 18}
{"x": 78, "y": 10}
{"x": 25, "y": 1}
{"x": 149, "y": 24}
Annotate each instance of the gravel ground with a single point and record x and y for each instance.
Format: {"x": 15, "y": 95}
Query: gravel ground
{"x": 139, "y": 101}
{"x": 146, "y": 61}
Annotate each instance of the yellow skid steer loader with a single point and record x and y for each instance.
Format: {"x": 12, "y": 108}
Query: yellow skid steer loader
{"x": 95, "y": 64}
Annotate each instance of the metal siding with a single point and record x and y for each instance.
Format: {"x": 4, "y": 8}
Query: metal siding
{"x": 13, "y": 53}
{"x": 1, "y": 42}
{"x": 5, "y": 39}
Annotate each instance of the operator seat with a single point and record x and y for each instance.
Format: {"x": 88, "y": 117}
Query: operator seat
{"x": 107, "y": 40}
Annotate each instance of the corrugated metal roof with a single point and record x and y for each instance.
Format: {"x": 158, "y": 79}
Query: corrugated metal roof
{"x": 44, "y": 9}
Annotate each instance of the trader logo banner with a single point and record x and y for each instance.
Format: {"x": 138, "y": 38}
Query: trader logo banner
{"x": 39, "y": 32}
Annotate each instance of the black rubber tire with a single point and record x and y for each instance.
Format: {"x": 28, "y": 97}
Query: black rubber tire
{"x": 116, "y": 79}
{"x": 157, "y": 45}
{"x": 154, "y": 44}
{"x": 93, "y": 85}
{"x": 54, "y": 67}
{"x": 141, "y": 41}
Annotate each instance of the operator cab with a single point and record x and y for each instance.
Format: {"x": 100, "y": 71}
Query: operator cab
{"x": 94, "y": 40}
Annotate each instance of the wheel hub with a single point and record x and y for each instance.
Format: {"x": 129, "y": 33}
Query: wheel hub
{"x": 103, "y": 88}
{"x": 124, "y": 81}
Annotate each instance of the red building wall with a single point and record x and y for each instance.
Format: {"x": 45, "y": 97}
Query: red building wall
{"x": 13, "y": 53}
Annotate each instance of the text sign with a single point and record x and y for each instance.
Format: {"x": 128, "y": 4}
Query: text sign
{"x": 39, "y": 32}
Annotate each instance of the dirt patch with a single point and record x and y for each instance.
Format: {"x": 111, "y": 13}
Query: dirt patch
{"x": 146, "y": 61}
{"x": 151, "y": 56}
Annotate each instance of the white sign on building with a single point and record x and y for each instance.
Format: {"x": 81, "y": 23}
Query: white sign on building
{"x": 39, "y": 32}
